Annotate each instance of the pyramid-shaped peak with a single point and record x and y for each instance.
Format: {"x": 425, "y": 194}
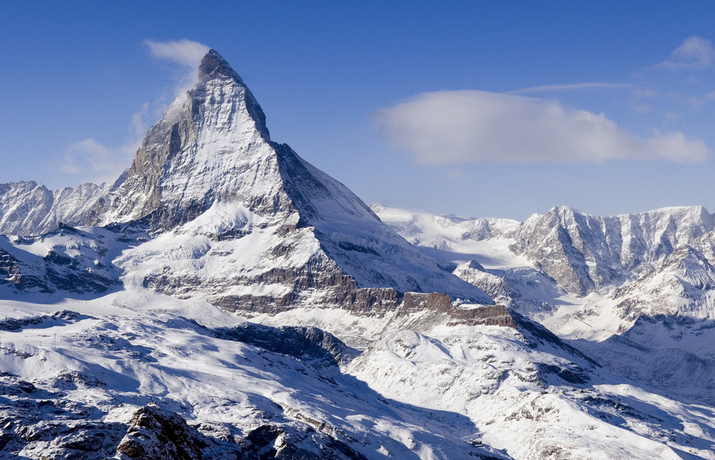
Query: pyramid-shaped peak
{"x": 214, "y": 66}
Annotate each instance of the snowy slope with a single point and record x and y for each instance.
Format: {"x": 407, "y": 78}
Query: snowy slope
{"x": 76, "y": 380}
{"x": 421, "y": 388}
{"x": 525, "y": 391}
{"x": 652, "y": 321}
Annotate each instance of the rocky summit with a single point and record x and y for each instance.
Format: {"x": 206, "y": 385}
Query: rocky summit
{"x": 224, "y": 298}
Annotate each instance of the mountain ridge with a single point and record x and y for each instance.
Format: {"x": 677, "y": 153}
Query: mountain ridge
{"x": 29, "y": 208}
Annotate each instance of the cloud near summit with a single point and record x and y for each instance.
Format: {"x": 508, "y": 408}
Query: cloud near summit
{"x": 183, "y": 52}
{"x": 186, "y": 53}
{"x": 461, "y": 127}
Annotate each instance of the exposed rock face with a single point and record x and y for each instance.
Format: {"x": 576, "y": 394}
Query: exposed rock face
{"x": 154, "y": 433}
{"x": 584, "y": 253}
{"x": 496, "y": 286}
{"x": 17, "y": 275}
{"x": 308, "y": 344}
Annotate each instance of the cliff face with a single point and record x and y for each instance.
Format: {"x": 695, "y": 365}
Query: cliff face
{"x": 211, "y": 146}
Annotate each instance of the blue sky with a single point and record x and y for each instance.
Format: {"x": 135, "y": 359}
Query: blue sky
{"x": 475, "y": 108}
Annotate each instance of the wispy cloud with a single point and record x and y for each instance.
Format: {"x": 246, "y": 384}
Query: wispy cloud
{"x": 460, "y": 127}
{"x": 91, "y": 161}
{"x": 137, "y": 125}
{"x": 186, "y": 53}
{"x": 693, "y": 53}
{"x": 571, "y": 87}
{"x": 677, "y": 147}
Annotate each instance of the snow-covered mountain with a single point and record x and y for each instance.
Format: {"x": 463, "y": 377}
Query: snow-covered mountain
{"x": 246, "y": 221}
{"x": 636, "y": 292}
{"x": 582, "y": 253}
{"x": 226, "y": 299}
{"x": 28, "y": 208}
{"x": 633, "y": 259}
{"x": 585, "y": 253}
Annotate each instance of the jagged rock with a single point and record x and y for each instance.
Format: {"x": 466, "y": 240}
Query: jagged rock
{"x": 269, "y": 442}
{"x": 20, "y": 276}
{"x": 154, "y": 433}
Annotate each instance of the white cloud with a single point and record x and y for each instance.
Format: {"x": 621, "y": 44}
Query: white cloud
{"x": 90, "y": 161}
{"x": 460, "y": 127}
{"x": 84, "y": 156}
{"x": 186, "y": 53}
{"x": 693, "y": 53}
{"x": 677, "y": 147}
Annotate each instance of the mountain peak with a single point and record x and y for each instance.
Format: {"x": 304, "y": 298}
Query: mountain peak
{"x": 214, "y": 66}
{"x": 210, "y": 158}
{"x": 214, "y": 71}
{"x": 198, "y": 153}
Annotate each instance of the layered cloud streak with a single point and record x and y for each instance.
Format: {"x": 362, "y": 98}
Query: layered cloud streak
{"x": 461, "y": 127}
